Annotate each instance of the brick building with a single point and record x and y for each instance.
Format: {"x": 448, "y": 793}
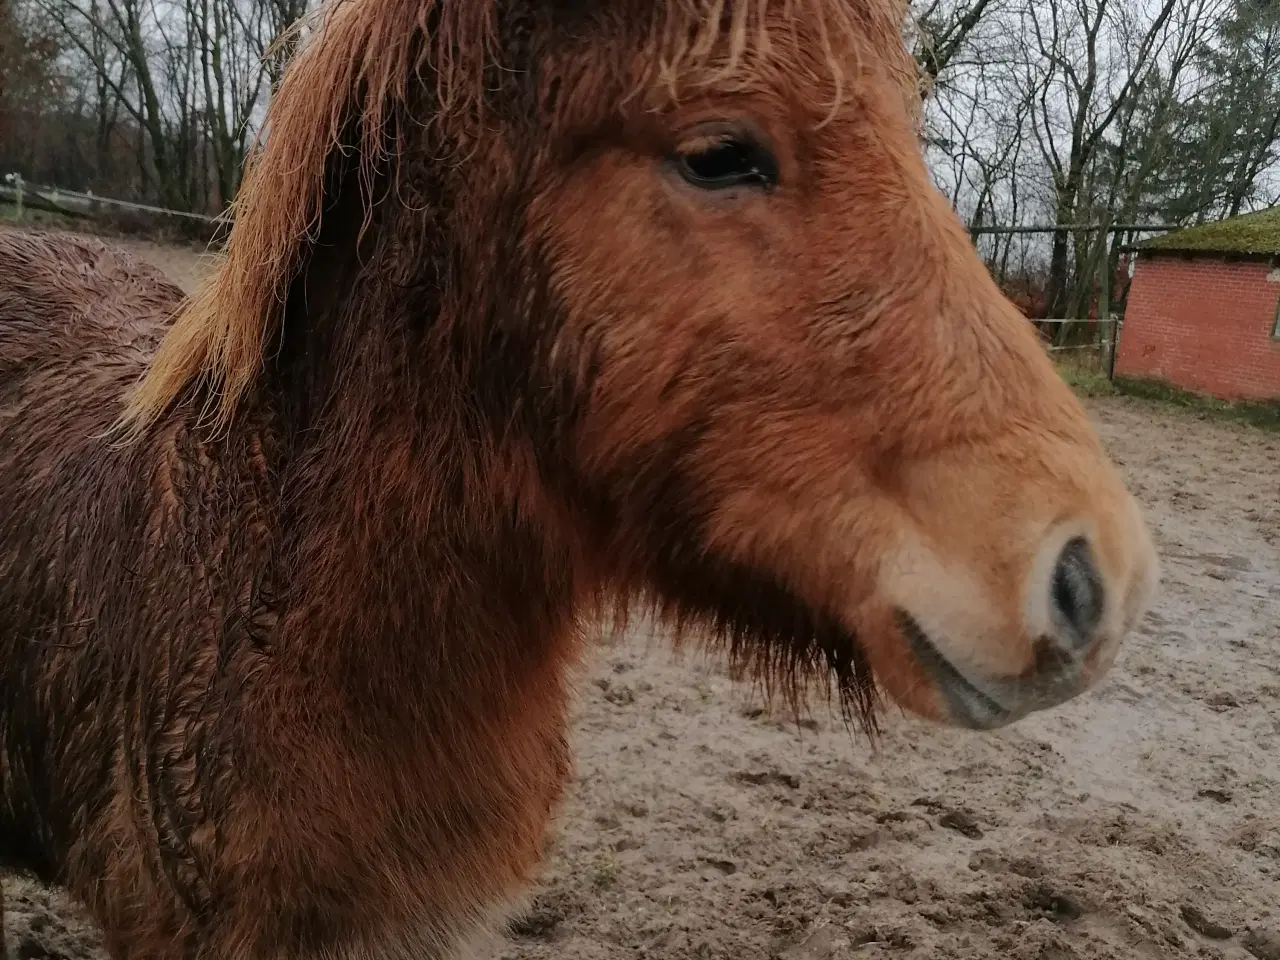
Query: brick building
{"x": 1203, "y": 311}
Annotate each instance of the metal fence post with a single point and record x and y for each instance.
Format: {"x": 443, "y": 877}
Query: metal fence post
{"x": 1106, "y": 326}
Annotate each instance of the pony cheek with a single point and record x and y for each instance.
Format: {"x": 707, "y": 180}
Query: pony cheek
{"x": 898, "y": 674}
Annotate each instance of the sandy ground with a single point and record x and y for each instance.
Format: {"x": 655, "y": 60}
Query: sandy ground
{"x": 184, "y": 265}
{"x": 1141, "y": 821}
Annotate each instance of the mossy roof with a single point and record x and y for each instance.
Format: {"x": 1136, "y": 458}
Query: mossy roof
{"x": 1251, "y": 234}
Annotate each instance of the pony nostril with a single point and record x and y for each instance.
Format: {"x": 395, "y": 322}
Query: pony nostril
{"x": 1077, "y": 590}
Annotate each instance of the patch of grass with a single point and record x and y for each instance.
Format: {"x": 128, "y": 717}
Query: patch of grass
{"x": 37, "y": 218}
{"x": 115, "y": 225}
{"x": 1086, "y": 382}
{"x": 604, "y": 873}
{"x": 1262, "y": 414}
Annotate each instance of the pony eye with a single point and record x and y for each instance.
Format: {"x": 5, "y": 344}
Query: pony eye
{"x": 727, "y": 162}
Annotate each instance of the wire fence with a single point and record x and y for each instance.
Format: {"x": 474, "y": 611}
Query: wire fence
{"x": 1097, "y": 271}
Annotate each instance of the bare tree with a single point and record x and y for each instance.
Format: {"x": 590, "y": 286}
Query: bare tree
{"x": 190, "y": 76}
{"x": 1089, "y": 58}
{"x": 943, "y": 29}
{"x": 1065, "y": 110}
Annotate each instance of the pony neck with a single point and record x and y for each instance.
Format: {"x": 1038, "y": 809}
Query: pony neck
{"x": 423, "y": 545}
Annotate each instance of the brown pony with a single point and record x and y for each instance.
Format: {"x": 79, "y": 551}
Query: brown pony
{"x": 529, "y": 306}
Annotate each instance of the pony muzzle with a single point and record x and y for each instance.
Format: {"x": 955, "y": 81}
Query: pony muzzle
{"x": 968, "y": 657}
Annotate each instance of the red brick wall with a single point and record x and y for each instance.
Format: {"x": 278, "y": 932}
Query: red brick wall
{"x": 1203, "y": 325}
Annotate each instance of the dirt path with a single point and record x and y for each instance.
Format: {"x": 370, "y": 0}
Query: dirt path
{"x": 1141, "y": 821}
{"x": 184, "y": 265}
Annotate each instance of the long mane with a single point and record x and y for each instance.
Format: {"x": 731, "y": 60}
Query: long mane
{"x": 357, "y": 61}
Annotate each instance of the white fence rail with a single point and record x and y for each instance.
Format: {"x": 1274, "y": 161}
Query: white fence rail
{"x": 1106, "y": 343}
{"x": 16, "y": 191}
